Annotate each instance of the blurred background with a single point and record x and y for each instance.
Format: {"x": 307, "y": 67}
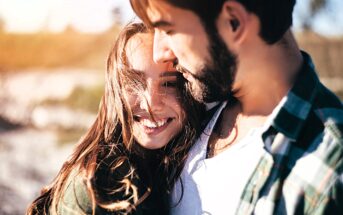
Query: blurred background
{"x": 52, "y": 64}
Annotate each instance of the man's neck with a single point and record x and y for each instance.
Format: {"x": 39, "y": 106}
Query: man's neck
{"x": 231, "y": 127}
{"x": 264, "y": 77}
{"x": 266, "y": 74}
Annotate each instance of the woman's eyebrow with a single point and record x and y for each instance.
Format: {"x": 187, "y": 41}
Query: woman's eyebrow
{"x": 136, "y": 71}
{"x": 140, "y": 73}
{"x": 167, "y": 74}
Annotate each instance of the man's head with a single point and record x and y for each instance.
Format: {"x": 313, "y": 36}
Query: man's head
{"x": 201, "y": 36}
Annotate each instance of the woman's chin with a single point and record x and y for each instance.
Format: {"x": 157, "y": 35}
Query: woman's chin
{"x": 153, "y": 144}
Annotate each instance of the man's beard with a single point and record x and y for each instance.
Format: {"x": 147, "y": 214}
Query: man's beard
{"x": 214, "y": 81}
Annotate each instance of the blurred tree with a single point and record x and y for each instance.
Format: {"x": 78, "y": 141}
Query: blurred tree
{"x": 2, "y": 24}
{"x": 117, "y": 16}
{"x": 45, "y": 26}
{"x": 315, "y": 6}
{"x": 70, "y": 29}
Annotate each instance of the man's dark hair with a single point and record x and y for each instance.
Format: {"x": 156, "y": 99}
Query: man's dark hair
{"x": 275, "y": 15}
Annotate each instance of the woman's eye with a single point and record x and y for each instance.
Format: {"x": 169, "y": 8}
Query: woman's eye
{"x": 169, "y": 88}
{"x": 172, "y": 84}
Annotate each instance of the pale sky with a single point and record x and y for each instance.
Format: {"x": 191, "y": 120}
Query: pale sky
{"x": 328, "y": 22}
{"x": 95, "y": 15}
{"x": 85, "y": 15}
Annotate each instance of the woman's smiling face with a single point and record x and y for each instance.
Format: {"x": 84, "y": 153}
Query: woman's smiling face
{"x": 157, "y": 113}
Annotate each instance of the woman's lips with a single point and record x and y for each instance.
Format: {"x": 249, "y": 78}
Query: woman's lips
{"x": 154, "y": 127}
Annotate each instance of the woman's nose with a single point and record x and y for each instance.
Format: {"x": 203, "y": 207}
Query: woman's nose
{"x": 152, "y": 100}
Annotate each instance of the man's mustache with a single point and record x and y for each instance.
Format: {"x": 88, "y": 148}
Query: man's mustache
{"x": 183, "y": 70}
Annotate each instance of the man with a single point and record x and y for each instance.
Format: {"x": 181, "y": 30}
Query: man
{"x": 274, "y": 146}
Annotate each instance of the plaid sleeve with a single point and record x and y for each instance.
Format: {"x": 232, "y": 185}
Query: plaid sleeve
{"x": 305, "y": 165}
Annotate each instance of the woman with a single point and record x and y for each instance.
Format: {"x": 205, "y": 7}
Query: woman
{"x": 131, "y": 156}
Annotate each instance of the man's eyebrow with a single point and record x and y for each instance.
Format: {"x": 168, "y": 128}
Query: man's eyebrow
{"x": 168, "y": 74}
{"x": 160, "y": 24}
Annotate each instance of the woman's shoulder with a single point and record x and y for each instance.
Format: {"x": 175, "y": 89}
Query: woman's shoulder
{"x": 75, "y": 198}
{"x": 120, "y": 186}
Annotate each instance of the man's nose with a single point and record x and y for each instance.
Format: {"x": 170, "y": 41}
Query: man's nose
{"x": 162, "y": 52}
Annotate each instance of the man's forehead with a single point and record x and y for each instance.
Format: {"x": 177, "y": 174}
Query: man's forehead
{"x": 159, "y": 10}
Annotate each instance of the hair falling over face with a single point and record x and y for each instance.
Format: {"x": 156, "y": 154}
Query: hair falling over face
{"x": 107, "y": 157}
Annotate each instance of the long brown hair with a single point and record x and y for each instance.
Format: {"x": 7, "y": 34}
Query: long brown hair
{"x": 109, "y": 147}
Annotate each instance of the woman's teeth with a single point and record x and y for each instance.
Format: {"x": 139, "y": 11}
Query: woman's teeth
{"x": 153, "y": 124}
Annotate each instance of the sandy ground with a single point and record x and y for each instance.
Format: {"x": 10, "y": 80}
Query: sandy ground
{"x": 29, "y": 159}
{"x": 30, "y": 155}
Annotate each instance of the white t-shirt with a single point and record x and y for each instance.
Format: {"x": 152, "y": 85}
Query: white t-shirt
{"x": 215, "y": 185}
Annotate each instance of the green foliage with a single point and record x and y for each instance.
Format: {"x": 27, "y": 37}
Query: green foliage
{"x": 82, "y": 98}
{"x": 67, "y": 136}
{"x": 85, "y": 98}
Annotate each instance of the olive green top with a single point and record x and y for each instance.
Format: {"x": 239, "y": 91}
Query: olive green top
{"x": 75, "y": 199}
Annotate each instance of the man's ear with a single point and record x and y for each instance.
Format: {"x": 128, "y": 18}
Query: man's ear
{"x": 234, "y": 24}
{"x": 232, "y": 21}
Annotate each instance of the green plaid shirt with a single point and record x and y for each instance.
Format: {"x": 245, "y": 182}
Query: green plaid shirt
{"x": 302, "y": 173}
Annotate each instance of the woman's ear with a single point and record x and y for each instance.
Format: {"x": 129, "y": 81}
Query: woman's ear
{"x": 232, "y": 22}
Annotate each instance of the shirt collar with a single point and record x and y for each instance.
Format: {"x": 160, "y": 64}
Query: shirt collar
{"x": 291, "y": 116}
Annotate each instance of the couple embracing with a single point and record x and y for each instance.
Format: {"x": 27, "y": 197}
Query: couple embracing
{"x": 210, "y": 107}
